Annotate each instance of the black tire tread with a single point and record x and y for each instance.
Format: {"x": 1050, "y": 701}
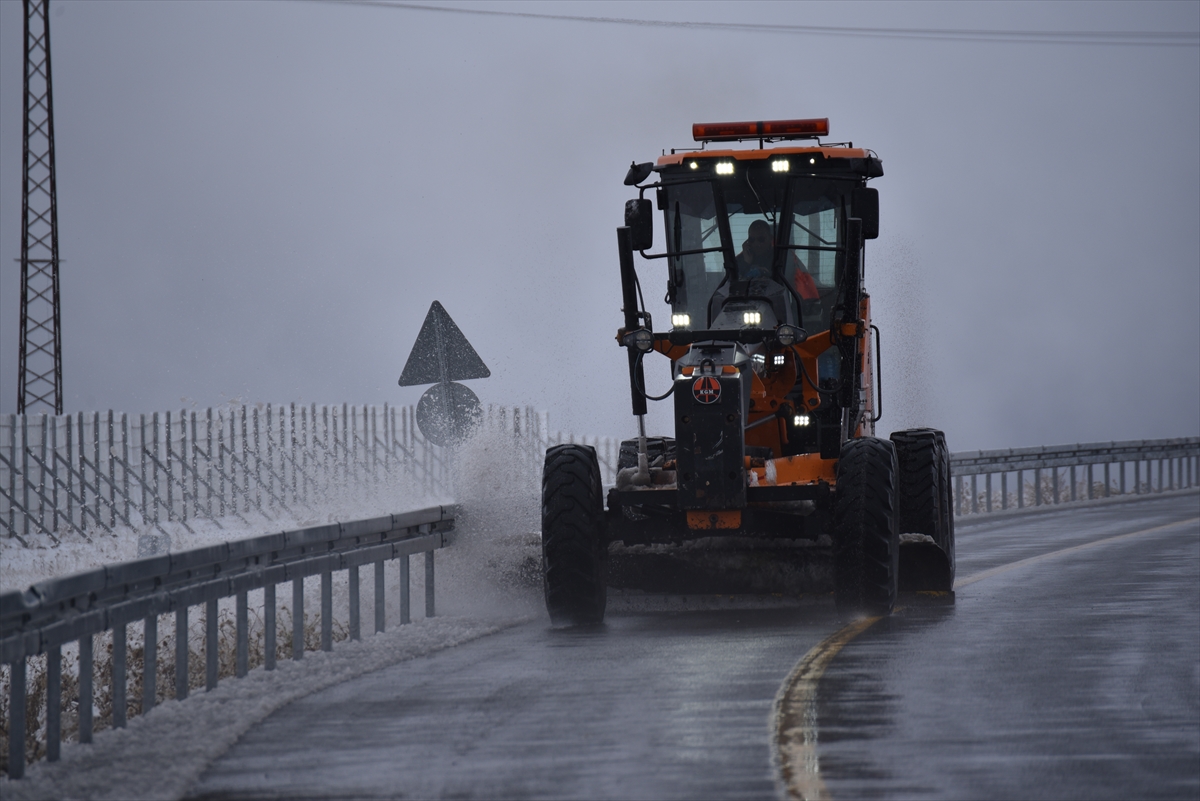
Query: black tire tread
{"x": 574, "y": 551}
{"x": 947, "y": 505}
{"x": 919, "y": 485}
{"x": 924, "y": 491}
{"x": 866, "y": 538}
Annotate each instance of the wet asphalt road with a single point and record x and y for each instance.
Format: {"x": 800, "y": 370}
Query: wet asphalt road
{"x": 649, "y": 706}
{"x": 1076, "y": 676}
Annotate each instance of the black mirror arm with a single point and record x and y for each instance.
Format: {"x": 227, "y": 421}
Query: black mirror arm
{"x": 638, "y": 172}
{"x": 631, "y": 310}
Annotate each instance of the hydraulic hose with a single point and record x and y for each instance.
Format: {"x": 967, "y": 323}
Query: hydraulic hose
{"x": 804, "y": 372}
{"x": 642, "y": 390}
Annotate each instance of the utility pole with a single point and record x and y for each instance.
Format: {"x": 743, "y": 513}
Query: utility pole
{"x": 40, "y": 366}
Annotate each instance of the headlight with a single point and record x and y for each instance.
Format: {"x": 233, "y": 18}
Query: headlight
{"x": 751, "y": 318}
{"x": 724, "y": 168}
{"x": 779, "y": 165}
{"x": 680, "y": 320}
{"x": 643, "y": 340}
{"x": 800, "y": 420}
{"x": 790, "y": 334}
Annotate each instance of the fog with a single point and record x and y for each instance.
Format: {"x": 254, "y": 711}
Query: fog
{"x": 259, "y": 201}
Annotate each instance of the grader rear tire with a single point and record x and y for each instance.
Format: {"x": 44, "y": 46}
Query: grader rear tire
{"x": 574, "y": 547}
{"x": 866, "y": 540}
{"x": 924, "y": 508}
{"x": 946, "y": 509}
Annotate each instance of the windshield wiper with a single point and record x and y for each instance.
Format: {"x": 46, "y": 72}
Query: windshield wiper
{"x": 770, "y": 215}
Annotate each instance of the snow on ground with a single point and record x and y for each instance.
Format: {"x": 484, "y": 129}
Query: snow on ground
{"x": 487, "y": 579}
{"x": 22, "y": 566}
{"x": 160, "y": 755}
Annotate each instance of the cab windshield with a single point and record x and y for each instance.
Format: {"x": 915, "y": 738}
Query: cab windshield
{"x": 761, "y": 248}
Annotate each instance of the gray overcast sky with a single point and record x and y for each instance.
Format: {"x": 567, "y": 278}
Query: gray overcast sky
{"x": 259, "y": 201}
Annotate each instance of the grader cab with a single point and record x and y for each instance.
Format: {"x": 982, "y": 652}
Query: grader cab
{"x": 774, "y": 367}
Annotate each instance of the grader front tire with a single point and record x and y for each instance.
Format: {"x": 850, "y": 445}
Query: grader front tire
{"x": 574, "y": 547}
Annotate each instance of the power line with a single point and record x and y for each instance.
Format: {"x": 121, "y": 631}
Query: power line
{"x": 1126, "y": 38}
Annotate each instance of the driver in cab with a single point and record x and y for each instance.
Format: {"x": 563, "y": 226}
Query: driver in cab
{"x": 754, "y": 262}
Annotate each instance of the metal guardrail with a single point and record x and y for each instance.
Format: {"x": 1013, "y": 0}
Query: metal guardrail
{"x": 1056, "y": 469}
{"x": 55, "y": 612}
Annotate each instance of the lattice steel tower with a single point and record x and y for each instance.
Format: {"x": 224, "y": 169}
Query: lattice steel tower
{"x": 40, "y": 380}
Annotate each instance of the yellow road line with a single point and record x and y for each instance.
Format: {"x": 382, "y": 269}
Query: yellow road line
{"x": 794, "y": 714}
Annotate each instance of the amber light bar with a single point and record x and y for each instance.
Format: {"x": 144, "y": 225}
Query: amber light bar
{"x": 772, "y": 129}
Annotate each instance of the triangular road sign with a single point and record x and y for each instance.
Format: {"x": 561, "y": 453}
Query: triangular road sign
{"x": 441, "y": 353}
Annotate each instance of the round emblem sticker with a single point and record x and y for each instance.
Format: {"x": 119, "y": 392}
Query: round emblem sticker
{"x": 706, "y": 389}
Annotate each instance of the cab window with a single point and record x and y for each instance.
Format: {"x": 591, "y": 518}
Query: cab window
{"x": 692, "y": 225}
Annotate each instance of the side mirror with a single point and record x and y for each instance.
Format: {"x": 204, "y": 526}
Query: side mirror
{"x": 864, "y": 204}
{"x": 639, "y": 219}
{"x": 638, "y": 173}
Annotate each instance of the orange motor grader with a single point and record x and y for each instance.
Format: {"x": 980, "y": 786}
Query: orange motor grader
{"x": 774, "y": 367}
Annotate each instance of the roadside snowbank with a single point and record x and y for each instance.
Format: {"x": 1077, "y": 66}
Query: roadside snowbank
{"x": 21, "y": 566}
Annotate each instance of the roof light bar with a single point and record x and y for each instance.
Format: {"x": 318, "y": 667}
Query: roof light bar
{"x": 771, "y": 129}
